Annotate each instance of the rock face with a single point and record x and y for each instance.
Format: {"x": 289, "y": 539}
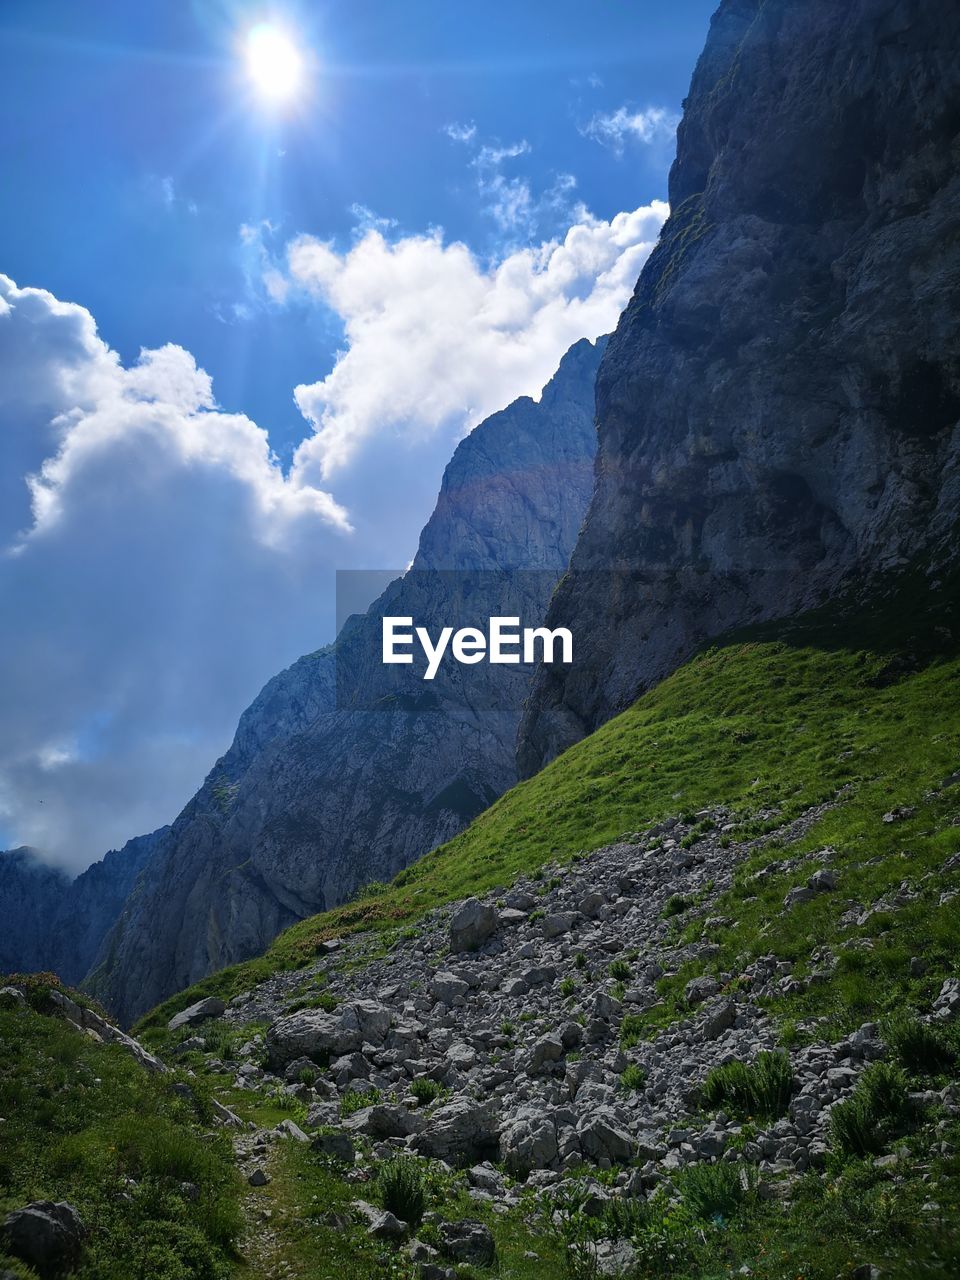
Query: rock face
{"x": 45, "y": 1235}
{"x": 778, "y": 408}
{"x": 50, "y": 922}
{"x": 344, "y": 770}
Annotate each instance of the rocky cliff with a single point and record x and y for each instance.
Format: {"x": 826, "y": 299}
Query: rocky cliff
{"x": 778, "y": 409}
{"x": 50, "y": 921}
{"x": 344, "y": 770}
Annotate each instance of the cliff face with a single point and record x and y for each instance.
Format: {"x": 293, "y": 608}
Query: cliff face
{"x": 778, "y": 409}
{"x": 48, "y": 921}
{"x": 344, "y": 770}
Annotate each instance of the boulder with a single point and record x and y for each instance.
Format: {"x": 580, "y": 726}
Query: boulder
{"x": 529, "y": 1141}
{"x": 548, "y": 1049}
{"x": 384, "y": 1120}
{"x": 311, "y": 1033}
{"x": 602, "y": 1137}
{"x": 721, "y": 1017}
{"x": 558, "y": 923}
{"x": 46, "y": 1235}
{"x": 448, "y": 988}
{"x": 467, "y": 1241}
{"x": 471, "y": 925}
{"x": 699, "y": 989}
{"x": 335, "y": 1145}
{"x": 192, "y": 1016}
{"x": 460, "y": 1132}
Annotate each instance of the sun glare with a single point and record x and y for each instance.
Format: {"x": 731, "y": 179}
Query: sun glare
{"x": 273, "y": 62}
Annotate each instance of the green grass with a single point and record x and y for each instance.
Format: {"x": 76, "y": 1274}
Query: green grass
{"x": 403, "y": 1189}
{"x": 84, "y": 1123}
{"x": 878, "y": 1109}
{"x": 751, "y": 1090}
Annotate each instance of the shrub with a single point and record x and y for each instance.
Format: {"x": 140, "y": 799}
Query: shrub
{"x": 619, "y": 970}
{"x": 878, "y": 1107}
{"x": 633, "y": 1076}
{"x": 760, "y": 1088}
{"x": 425, "y": 1090}
{"x": 920, "y": 1048}
{"x": 580, "y": 960}
{"x": 507, "y": 1028}
{"x": 403, "y": 1189}
{"x": 674, "y": 906}
{"x": 567, "y": 987}
{"x": 714, "y": 1190}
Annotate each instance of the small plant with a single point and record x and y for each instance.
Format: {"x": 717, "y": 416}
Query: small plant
{"x": 426, "y": 1090}
{"x": 507, "y": 1028}
{"x": 877, "y": 1109}
{"x": 527, "y": 1017}
{"x": 620, "y": 970}
{"x": 626, "y": 1219}
{"x": 580, "y": 960}
{"x": 403, "y": 1189}
{"x": 633, "y": 1077}
{"x": 631, "y": 1030}
{"x": 675, "y": 905}
{"x": 539, "y": 914}
{"x": 307, "y": 1075}
{"x": 567, "y": 987}
{"x": 354, "y": 1100}
{"x": 920, "y": 1048}
{"x": 761, "y": 1088}
{"x": 715, "y": 1191}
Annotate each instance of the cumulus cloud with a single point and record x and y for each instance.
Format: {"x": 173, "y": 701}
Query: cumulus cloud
{"x": 435, "y": 340}
{"x": 614, "y": 129}
{"x": 149, "y": 543}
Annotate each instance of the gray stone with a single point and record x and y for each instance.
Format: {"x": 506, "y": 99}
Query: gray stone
{"x": 467, "y": 1241}
{"x": 46, "y": 1235}
{"x": 471, "y": 925}
{"x": 211, "y": 1007}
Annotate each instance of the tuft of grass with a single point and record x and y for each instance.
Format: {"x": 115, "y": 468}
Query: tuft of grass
{"x": 403, "y": 1189}
{"x": 675, "y": 905}
{"x": 921, "y": 1049}
{"x": 761, "y": 1088}
{"x": 712, "y": 1191}
{"x": 633, "y": 1077}
{"x": 567, "y": 987}
{"x": 620, "y": 970}
{"x": 355, "y": 1100}
{"x": 426, "y": 1090}
{"x": 876, "y": 1111}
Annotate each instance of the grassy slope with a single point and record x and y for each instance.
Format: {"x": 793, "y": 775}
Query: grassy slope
{"x": 83, "y": 1122}
{"x": 777, "y": 720}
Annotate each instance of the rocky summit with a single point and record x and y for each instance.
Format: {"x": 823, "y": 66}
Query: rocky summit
{"x": 778, "y": 408}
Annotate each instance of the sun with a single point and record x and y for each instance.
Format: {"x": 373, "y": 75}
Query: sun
{"x": 274, "y": 63}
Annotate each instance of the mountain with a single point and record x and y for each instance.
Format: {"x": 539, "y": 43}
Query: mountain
{"x": 778, "y": 408}
{"x": 49, "y": 921}
{"x": 344, "y": 770}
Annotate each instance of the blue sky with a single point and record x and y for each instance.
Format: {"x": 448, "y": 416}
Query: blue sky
{"x": 311, "y": 275}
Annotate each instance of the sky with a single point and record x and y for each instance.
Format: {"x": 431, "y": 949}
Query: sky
{"x": 247, "y": 309}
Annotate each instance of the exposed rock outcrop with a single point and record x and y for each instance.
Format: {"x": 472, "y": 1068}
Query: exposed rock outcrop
{"x": 778, "y": 409}
{"x": 344, "y": 770}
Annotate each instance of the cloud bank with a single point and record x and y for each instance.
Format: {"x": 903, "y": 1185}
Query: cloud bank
{"x": 436, "y": 340}
{"x": 149, "y": 543}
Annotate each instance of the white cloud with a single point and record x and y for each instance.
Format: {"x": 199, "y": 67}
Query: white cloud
{"x": 435, "y": 340}
{"x": 156, "y": 566}
{"x": 460, "y": 132}
{"x": 616, "y": 128}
